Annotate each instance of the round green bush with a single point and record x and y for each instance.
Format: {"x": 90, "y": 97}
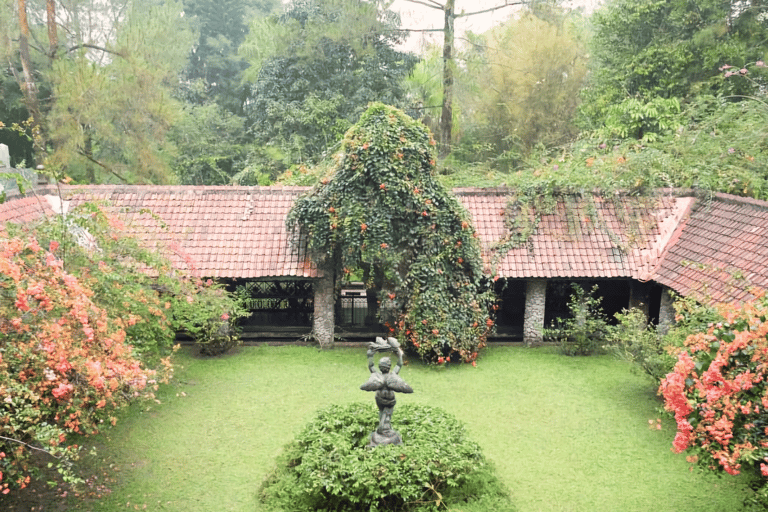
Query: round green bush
{"x": 328, "y": 467}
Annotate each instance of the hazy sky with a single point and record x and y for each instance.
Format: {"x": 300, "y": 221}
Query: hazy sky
{"x": 416, "y": 16}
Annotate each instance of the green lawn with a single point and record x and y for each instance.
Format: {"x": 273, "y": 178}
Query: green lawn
{"x": 566, "y": 434}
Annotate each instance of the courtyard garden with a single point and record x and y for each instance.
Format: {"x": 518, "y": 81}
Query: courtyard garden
{"x": 564, "y": 433}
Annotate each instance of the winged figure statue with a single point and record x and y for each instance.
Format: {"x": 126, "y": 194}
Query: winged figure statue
{"x": 385, "y": 382}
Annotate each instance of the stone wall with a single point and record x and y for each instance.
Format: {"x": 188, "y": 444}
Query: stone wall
{"x": 666, "y": 311}
{"x": 535, "y": 300}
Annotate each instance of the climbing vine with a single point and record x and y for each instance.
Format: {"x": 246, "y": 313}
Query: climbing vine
{"x": 578, "y": 212}
{"x": 382, "y": 210}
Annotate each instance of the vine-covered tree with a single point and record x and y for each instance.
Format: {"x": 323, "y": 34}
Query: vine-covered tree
{"x": 383, "y": 212}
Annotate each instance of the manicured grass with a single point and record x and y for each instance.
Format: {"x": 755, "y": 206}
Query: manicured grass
{"x": 566, "y": 434}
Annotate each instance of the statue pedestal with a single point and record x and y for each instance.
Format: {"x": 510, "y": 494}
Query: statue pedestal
{"x": 389, "y": 437}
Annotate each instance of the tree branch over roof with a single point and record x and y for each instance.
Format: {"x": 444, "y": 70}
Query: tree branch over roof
{"x": 429, "y": 3}
{"x": 101, "y": 164}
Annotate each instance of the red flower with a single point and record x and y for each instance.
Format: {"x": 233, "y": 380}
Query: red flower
{"x": 383, "y": 186}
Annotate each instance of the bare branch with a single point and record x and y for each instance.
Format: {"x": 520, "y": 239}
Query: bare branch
{"x": 423, "y": 30}
{"x": 101, "y": 164}
{"x": 428, "y": 3}
{"x": 490, "y": 9}
{"x": 12, "y": 440}
{"x": 94, "y": 47}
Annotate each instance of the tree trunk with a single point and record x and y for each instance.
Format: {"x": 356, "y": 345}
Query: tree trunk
{"x": 28, "y": 86}
{"x": 53, "y": 36}
{"x": 446, "y": 116}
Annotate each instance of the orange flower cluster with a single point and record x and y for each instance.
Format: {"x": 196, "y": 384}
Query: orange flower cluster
{"x": 65, "y": 362}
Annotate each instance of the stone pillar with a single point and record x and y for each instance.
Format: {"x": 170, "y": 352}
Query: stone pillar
{"x": 323, "y": 318}
{"x": 5, "y": 157}
{"x": 535, "y": 300}
{"x": 666, "y": 311}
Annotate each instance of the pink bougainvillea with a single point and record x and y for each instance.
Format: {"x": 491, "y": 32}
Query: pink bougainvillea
{"x": 718, "y": 391}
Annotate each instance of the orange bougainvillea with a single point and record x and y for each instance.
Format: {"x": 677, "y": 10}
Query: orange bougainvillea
{"x": 65, "y": 364}
{"x": 84, "y": 329}
{"x": 718, "y": 391}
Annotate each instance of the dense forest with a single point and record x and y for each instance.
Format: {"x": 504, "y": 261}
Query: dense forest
{"x": 637, "y": 95}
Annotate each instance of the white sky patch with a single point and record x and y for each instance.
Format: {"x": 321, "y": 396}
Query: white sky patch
{"x": 419, "y": 17}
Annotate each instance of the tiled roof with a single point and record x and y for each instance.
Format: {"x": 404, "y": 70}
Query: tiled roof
{"x": 711, "y": 248}
{"x": 586, "y": 236}
{"x": 212, "y": 231}
{"x": 720, "y": 251}
{"x": 24, "y": 209}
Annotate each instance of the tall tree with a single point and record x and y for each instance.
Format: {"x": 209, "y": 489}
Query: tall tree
{"x": 448, "y": 8}
{"x": 27, "y": 83}
{"x": 111, "y": 77}
{"x": 109, "y": 121}
{"x": 534, "y": 67}
{"x": 652, "y": 56}
{"x": 322, "y": 63}
{"x": 222, "y": 26}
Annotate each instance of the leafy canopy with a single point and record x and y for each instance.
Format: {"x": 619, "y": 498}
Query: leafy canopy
{"x": 315, "y": 68}
{"x": 652, "y": 55}
{"x": 382, "y": 207}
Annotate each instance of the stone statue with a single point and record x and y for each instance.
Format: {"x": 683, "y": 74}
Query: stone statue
{"x": 385, "y": 382}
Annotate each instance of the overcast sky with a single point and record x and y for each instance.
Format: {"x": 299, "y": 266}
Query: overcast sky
{"x": 415, "y": 16}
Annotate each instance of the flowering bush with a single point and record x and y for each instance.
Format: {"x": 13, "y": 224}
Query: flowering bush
{"x": 718, "y": 391}
{"x": 65, "y": 362}
{"x": 87, "y": 323}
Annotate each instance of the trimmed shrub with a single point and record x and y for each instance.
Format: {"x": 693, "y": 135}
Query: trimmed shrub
{"x": 328, "y": 466}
